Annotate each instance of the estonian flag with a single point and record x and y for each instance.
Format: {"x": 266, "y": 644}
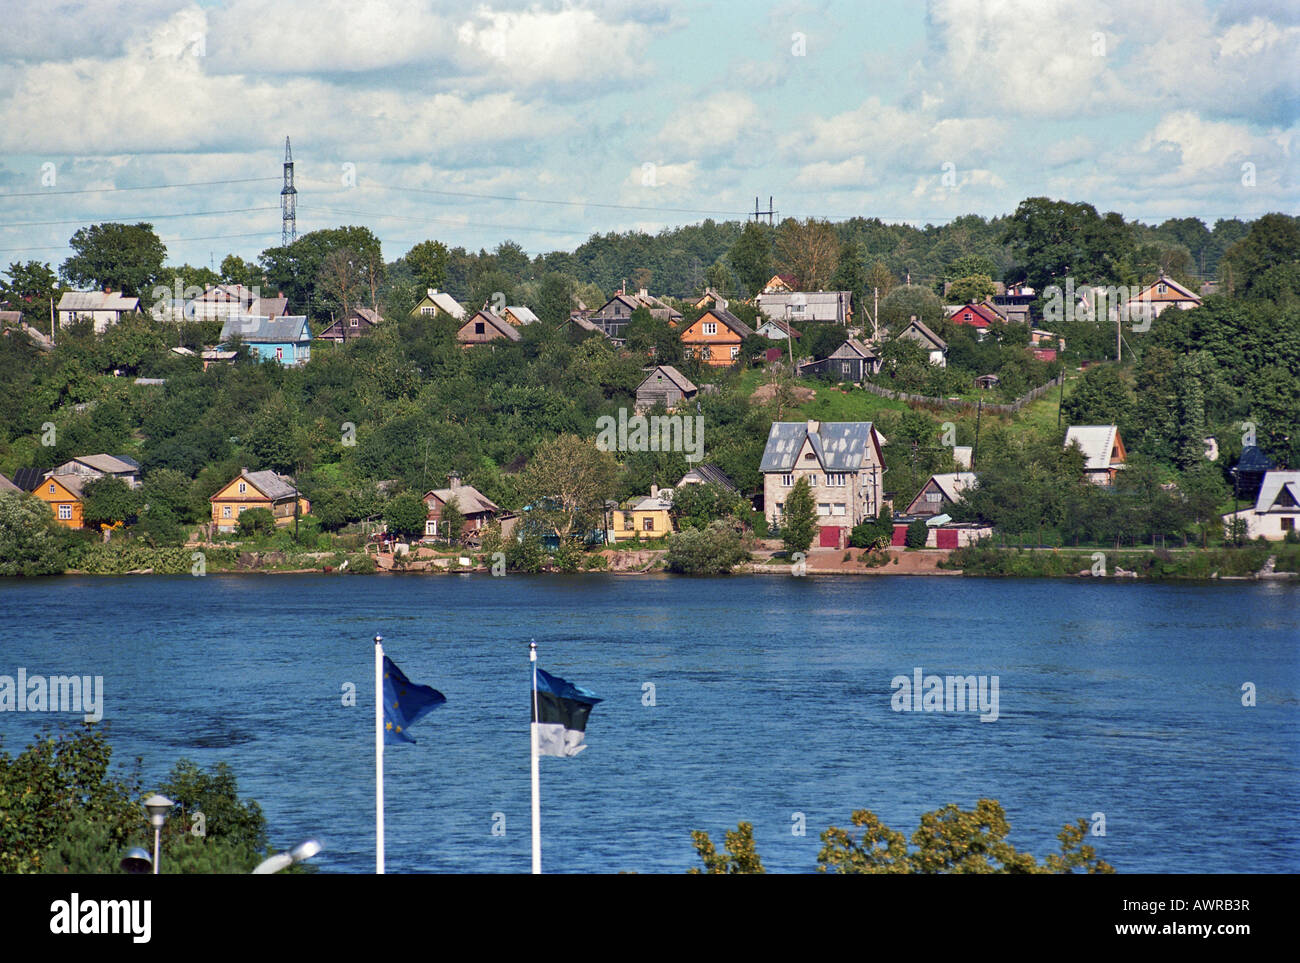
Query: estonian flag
{"x": 560, "y": 711}
{"x": 405, "y": 703}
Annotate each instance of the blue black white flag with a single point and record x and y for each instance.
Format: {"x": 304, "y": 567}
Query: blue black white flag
{"x": 405, "y": 703}
{"x": 560, "y": 711}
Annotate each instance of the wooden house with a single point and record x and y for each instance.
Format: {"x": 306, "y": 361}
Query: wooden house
{"x": 101, "y": 308}
{"x": 1276, "y": 512}
{"x": 359, "y": 323}
{"x": 936, "y": 348}
{"x": 1103, "y": 451}
{"x": 646, "y": 518}
{"x": 484, "y": 326}
{"x": 939, "y": 493}
{"x": 478, "y": 509}
{"x": 518, "y": 315}
{"x": 852, "y": 361}
{"x": 1160, "y": 295}
{"x": 64, "y": 496}
{"x": 97, "y": 466}
{"x": 435, "y": 301}
{"x": 806, "y": 306}
{"x": 715, "y": 337}
{"x": 708, "y": 474}
{"x": 285, "y": 340}
{"x": 664, "y": 385}
{"x": 257, "y": 489}
{"x": 775, "y": 329}
{"x": 781, "y": 283}
{"x": 977, "y": 315}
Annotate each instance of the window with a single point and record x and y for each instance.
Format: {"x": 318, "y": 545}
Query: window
{"x": 838, "y": 509}
{"x": 279, "y": 354}
{"x": 225, "y": 511}
{"x": 1288, "y": 524}
{"x": 65, "y": 512}
{"x": 935, "y": 497}
{"x": 835, "y": 481}
{"x": 735, "y": 352}
{"x": 478, "y": 327}
{"x": 242, "y": 488}
{"x": 427, "y": 310}
{"x": 51, "y": 488}
{"x": 241, "y": 509}
{"x": 354, "y": 322}
{"x": 780, "y": 508}
{"x": 710, "y": 327}
{"x": 846, "y": 367}
{"x": 649, "y": 523}
{"x": 812, "y": 481}
{"x": 787, "y": 480}
{"x": 629, "y": 522}
{"x": 823, "y": 508}
{"x": 431, "y": 527}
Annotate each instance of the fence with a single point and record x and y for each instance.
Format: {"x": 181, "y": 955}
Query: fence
{"x": 959, "y": 403}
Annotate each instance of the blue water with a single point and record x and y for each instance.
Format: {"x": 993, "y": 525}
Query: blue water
{"x": 772, "y": 697}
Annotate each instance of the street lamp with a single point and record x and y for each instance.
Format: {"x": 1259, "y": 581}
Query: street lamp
{"x": 303, "y": 851}
{"x": 136, "y": 861}
{"x": 158, "y": 806}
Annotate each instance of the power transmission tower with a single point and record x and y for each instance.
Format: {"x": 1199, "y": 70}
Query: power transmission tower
{"x": 288, "y": 201}
{"x": 769, "y": 212}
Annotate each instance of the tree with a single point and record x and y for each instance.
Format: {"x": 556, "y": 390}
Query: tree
{"x": 30, "y": 288}
{"x": 1272, "y": 242}
{"x": 1053, "y": 239}
{"x": 750, "y": 257}
{"x": 718, "y": 277}
{"x": 406, "y": 514}
{"x": 568, "y": 481}
{"x": 31, "y": 541}
{"x": 256, "y": 521}
{"x": 235, "y": 270}
{"x": 969, "y": 265}
{"x": 910, "y": 301}
{"x": 971, "y": 289}
{"x": 555, "y": 298}
{"x": 126, "y": 257}
{"x": 452, "y": 520}
{"x": 428, "y": 263}
{"x": 809, "y": 250}
{"x": 917, "y": 533}
{"x": 714, "y": 550}
{"x": 741, "y": 853}
{"x": 696, "y": 506}
{"x": 296, "y": 269}
{"x": 171, "y": 490}
{"x": 108, "y": 500}
{"x": 341, "y": 280}
{"x": 798, "y": 518}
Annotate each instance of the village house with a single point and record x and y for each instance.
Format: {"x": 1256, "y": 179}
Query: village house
{"x": 1276, "y": 510}
{"x": 977, "y": 315}
{"x": 936, "y": 348}
{"x": 484, "y": 326}
{"x": 715, "y": 337}
{"x": 646, "y": 517}
{"x": 358, "y": 323}
{"x": 64, "y": 496}
{"x": 664, "y": 385}
{"x": 852, "y": 361}
{"x": 435, "y": 301}
{"x": 97, "y": 466}
{"x": 709, "y": 299}
{"x": 1103, "y": 451}
{"x": 939, "y": 493}
{"x": 478, "y": 509}
{"x": 1160, "y": 295}
{"x": 518, "y": 315}
{"x": 708, "y": 474}
{"x": 9, "y": 488}
{"x": 781, "y": 284}
{"x": 843, "y": 463}
{"x": 616, "y": 313}
{"x": 776, "y": 330}
{"x": 285, "y": 340}
{"x": 102, "y": 308}
{"x": 804, "y": 306}
{"x": 257, "y": 489}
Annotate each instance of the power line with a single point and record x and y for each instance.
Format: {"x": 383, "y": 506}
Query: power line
{"x": 144, "y": 217}
{"x": 165, "y": 240}
{"x": 450, "y": 220}
{"x": 147, "y": 187}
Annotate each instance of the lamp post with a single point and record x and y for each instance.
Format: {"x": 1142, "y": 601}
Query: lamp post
{"x": 136, "y": 861}
{"x": 158, "y": 806}
{"x": 300, "y": 853}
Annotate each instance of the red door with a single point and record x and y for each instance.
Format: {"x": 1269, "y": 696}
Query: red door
{"x": 946, "y": 538}
{"x": 900, "y": 536}
{"x": 828, "y": 537}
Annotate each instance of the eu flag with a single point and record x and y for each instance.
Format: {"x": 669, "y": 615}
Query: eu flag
{"x": 405, "y": 703}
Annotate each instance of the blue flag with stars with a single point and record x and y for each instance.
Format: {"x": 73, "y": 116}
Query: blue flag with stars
{"x": 405, "y": 703}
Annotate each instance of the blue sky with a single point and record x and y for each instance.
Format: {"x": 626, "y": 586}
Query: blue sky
{"x": 633, "y": 114}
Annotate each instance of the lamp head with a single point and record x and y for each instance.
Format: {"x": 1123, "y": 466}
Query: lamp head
{"x": 158, "y": 806}
{"x": 137, "y": 861}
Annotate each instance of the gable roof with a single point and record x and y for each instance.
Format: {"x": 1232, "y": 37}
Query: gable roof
{"x": 28, "y": 478}
{"x": 368, "y": 314}
{"x": 108, "y": 464}
{"x": 730, "y": 320}
{"x": 925, "y": 334}
{"x": 525, "y": 315}
{"x": 709, "y": 474}
{"x": 1275, "y": 483}
{"x": 270, "y": 484}
{"x": 7, "y": 486}
{"x": 782, "y": 326}
{"x": 818, "y": 305}
{"x": 227, "y": 292}
{"x": 259, "y": 329}
{"x": 953, "y": 483}
{"x": 673, "y": 375}
{"x": 853, "y": 348}
{"x": 1254, "y": 460}
{"x": 271, "y": 307}
{"x": 839, "y": 445}
{"x": 1148, "y": 292}
{"x": 443, "y": 301}
{"x": 1096, "y": 441}
{"x": 503, "y": 326}
{"x": 97, "y": 301}
{"x": 73, "y": 483}
{"x": 469, "y": 499}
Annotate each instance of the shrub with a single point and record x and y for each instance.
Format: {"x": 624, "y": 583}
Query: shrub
{"x": 917, "y": 532}
{"x": 715, "y": 550}
{"x": 256, "y": 521}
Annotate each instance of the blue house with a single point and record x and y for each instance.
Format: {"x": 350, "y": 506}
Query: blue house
{"x": 286, "y": 339}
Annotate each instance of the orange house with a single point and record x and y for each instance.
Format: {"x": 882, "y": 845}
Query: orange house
{"x": 715, "y": 337}
{"x": 257, "y": 489}
{"x": 63, "y": 494}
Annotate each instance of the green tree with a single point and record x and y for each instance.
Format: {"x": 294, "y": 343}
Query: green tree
{"x": 971, "y": 289}
{"x": 555, "y": 298}
{"x": 568, "y": 481}
{"x": 798, "y": 520}
{"x": 428, "y": 263}
{"x": 714, "y": 550}
{"x": 909, "y": 301}
{"x": 452, "y": 521}
{"x": 126, "y": 257}
{"x": 30, "y": 288}
{"x": 741, "y": 855}
{"x": 406, "y": 514}
{"x": 1273, "y": 242}
{"x": 256, "y": 521}
{"x": 31, "y": 541}
{"x": 917, "y": 533}
{"x": 750, "y": 257}
{"x": 108, "y": 500}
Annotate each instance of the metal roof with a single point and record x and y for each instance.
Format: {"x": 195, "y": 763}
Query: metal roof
{"x": 838, "y": 445}
{"x": 1096, "y": 441}
{"x": 1274, "y": 483}
{"x": 259, "y": 329}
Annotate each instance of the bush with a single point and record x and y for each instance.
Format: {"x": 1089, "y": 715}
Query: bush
{"x": 525, "y": 554}
{"x": 715, "y": 550}
{"x": 256, "y": 521}
{"x": 917, "y": 532}
{"x": 361, "y": 564}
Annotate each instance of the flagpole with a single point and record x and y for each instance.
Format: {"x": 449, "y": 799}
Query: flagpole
{"x": 379, "y": 754}
{"x": 537, "y": 806}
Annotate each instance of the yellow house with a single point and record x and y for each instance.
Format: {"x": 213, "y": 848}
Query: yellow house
{"x": 256, "y": 489}
{"x": 63, "y": 494}
{"x": 646, "y": 518}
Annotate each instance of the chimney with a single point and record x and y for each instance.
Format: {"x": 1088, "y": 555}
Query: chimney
{"x": 813, "y": 426}
{"x": 654, "y": 491}
{"x": 108, "y": 289}
{"x": 644, "y": 293}
{"x": 431, "y": 291}
{"x": 453, "y": 481}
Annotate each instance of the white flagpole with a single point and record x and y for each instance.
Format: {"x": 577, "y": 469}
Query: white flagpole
{"x": 537, "y": 805}
{"x": 379, "y": 754}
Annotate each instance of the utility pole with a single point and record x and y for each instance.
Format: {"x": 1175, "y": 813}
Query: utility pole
{"x": 288, "y": 201}
{"x": 875, "y": 315}
{"x": 769, "y": 212}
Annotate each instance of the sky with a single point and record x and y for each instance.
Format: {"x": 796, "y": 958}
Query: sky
{"x": 545, "y": 122}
